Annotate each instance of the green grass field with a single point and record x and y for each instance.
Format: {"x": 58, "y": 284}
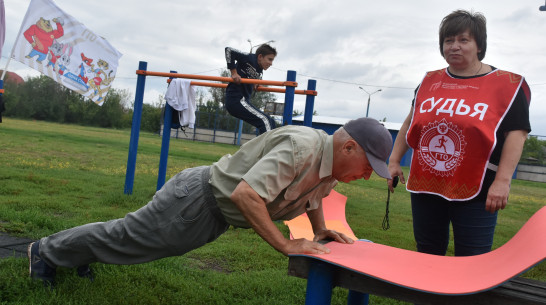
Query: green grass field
{"x": 54, "y": 177}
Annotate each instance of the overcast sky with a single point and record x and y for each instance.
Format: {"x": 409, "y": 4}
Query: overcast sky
{"x": 342, "y": 44}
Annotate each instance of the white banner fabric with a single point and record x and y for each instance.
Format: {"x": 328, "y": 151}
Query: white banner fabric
{"x": 57, "y": 45}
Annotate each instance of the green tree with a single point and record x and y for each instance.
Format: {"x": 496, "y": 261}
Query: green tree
{"x": 217, "y": 95}
{"x": 260, "y": 98}
{"x": 38, "y": 98}
{"x": 534, "y": 149}
{"x": 42, "y": 98}
{"x": 111, "y": 112}
{"x": 151, "y": 115}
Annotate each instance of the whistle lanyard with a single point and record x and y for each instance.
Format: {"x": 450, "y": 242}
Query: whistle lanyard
{"x": 386, "y": 224}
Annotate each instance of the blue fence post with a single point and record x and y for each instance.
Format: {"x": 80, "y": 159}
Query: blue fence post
{"x": 309, "y": 104}
{"x": 240, "y": 132}
{"x": 289, "y": 99}
{"x": 135, "y": 129}
{"x": 165, "y": 142}
{"x": 215, "y": 125}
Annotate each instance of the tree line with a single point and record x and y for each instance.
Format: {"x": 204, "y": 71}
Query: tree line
{"x": 41, "y": 98}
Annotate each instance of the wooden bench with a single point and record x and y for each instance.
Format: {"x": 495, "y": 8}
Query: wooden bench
{"x": 323, "y": 277}
{"x": 367, "y": 268}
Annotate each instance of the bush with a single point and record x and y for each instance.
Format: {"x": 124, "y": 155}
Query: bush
{"x": 41, "y": 98}
{"x": 535, "y": 150}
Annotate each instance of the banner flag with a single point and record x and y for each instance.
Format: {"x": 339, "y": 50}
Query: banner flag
{"x": 57, "y": 45}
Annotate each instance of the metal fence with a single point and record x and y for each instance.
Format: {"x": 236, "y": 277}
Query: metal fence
{"x": 215, "y": 126}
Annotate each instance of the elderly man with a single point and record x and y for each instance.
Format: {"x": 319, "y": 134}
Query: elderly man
{"x": 276, "y": 176}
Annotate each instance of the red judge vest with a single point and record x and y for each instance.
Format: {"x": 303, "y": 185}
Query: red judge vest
{"x": 453, "y": 131}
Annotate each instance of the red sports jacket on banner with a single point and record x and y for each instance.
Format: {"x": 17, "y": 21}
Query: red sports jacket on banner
{"x": 453, "y": 131}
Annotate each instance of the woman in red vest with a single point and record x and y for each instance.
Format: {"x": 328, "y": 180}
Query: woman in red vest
{"x": 467, "y": 127}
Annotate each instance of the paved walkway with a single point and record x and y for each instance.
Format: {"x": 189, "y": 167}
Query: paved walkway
{"x": 13, "y": 246}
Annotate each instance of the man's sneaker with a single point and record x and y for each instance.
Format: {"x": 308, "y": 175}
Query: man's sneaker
{"x": 38, "y": 268}
{"x": 85, "y": 272}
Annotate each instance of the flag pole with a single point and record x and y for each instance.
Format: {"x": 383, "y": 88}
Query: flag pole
{"x": 6, "y": 68}
{"x": 2, "y": 34}
{"x": 15, "y": 44}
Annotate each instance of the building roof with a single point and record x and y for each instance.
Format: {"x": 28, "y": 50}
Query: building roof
{"x": 341, "y": 121}
{"x": 12, "y": 77}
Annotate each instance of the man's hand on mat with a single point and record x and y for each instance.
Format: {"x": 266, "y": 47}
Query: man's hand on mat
{"x": 333, "y": 235}
{"x": 302, "y": 245}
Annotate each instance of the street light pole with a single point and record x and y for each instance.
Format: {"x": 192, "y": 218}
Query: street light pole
{"x": 250, "y": 43}
{"x": 369, "y": 97}
{"x": 252, "y": 47}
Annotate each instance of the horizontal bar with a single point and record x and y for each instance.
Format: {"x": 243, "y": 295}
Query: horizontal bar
{"x": 265, "y": 89}
{"x": 219, "y": 78}
{"x": 205, "y": 84}
{"x": 280, "y": 90}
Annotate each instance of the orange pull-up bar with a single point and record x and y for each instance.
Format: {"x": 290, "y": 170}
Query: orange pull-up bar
{"x": 219, "y": 78}
{"x": 265, "y": 89}
{"x": 289, "y": 91}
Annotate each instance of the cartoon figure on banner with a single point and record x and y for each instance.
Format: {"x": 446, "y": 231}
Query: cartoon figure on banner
{"x": 64, "y": 60}
{"x": 100, "y": 80}
{"x": 41, "y": 36}
{"x": 85, "y": 62}
{"x": 55, "y": 52}
{"x": 79, "y": 81}
{"x": 97, "y": 82}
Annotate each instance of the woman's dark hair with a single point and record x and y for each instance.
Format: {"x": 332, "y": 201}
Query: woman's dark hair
{"x": 458, "y": 22}
{"x": 265, "y": 50}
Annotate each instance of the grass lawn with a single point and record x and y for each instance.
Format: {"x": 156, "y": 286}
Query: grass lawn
{"x": 54, "y": 177}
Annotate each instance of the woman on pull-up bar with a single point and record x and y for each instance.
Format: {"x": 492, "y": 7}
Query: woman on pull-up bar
{"x": 248, "y": 65}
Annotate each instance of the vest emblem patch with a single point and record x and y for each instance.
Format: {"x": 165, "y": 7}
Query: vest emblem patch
{"x": 441, "y": 148}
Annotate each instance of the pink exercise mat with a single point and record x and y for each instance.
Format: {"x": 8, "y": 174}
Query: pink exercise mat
{"x": 333, "y": 207}
{"x": 445, "y": 274}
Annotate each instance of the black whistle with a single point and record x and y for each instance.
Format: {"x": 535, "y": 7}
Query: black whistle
{"x": 395, "y": 181}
